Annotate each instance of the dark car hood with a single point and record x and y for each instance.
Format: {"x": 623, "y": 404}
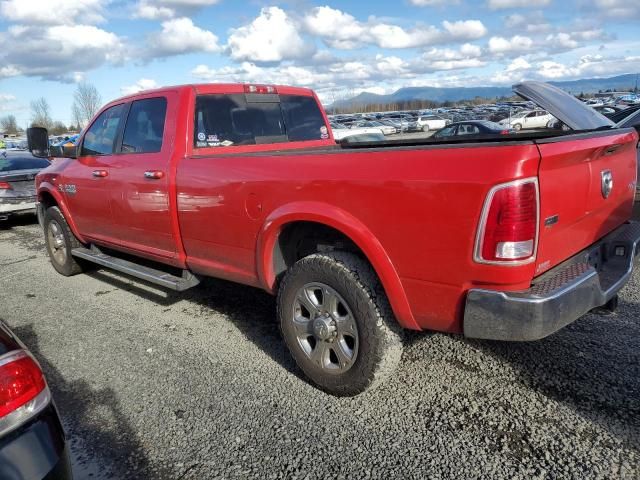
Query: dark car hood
{"x": 562, "y": 105}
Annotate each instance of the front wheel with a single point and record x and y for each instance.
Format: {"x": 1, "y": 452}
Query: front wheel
{"x": 60, "y": 240}
{"x": 425, "y": 128}
{"x": 337, "y": 323}
{"x": 517, "y": 127}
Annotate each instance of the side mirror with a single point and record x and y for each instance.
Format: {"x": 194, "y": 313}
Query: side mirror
{"x": 38, "y": 141}
{"x": 64, "y": 151}
{"x": 70, "y": 151}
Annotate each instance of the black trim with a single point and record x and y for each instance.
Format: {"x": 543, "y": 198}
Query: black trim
{"x": 117, "y": 148}
{"x": 587, "y": 134}
{"x": 262, "y": 97}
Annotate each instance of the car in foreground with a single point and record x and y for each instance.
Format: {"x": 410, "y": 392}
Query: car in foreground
{"x": 32, "y": 440}
{"x": 528, "y": 120}
{"x": 472, "y": 127}
{"x": 510, "y": 238}
{"x": 431, "y": 122}
{"x": 18, "y": 171}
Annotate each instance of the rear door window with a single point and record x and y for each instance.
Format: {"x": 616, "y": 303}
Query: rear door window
{"x": 231, "y": 120}
{"x": 145, "y": 126}
{"x": 101, "y": 136}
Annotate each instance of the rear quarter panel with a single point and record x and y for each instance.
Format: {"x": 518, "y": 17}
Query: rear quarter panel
{"x": 421, "y": 204}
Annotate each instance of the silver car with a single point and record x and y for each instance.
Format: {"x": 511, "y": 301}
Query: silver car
{"x": 18, "y": 170}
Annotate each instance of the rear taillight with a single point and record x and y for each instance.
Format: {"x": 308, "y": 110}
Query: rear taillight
{"x": 505, "y": 132}
{"x": 23, "y": 390}
{"x": 508, "y": 228}
{"x": 5, "y": 186}
{"x": 260, "y": 89}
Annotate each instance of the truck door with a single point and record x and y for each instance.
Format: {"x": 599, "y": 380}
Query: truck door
{"x": 140, "y": 178}
{"x": 86, "y": 183}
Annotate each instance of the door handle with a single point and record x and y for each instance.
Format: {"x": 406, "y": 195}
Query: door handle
{"x": 100, "y": 173}
{"x": 154, "y": 174}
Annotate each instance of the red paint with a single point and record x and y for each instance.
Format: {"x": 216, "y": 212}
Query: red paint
{"x": 413, "y": 211}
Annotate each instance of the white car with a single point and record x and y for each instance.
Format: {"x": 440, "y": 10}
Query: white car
{"x": 340, "y": 131}
{"x": 529, "y": 119}
{"x": 432, "y": 122}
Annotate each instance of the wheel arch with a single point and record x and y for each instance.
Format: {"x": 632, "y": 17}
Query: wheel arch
{"x": 49, "y": 196}
{"x": 271, "y": 263}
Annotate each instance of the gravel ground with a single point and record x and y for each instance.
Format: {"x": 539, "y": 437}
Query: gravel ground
{"x": 199, "y": 385}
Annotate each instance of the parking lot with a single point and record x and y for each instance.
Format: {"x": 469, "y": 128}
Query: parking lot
{"x": 199, "y": 385}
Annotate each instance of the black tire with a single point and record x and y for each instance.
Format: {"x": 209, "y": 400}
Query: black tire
{"x": 70, "y": 265}
{"x": 379, "y": 342}
{"x": 517, "y": 127}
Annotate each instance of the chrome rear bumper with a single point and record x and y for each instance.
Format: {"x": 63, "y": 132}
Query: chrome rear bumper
{"x": 559, "y": 297}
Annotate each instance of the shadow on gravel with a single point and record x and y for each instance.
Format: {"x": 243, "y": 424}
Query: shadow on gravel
{"x": 251, "y": 310}
{"x": 591, "y": 366}
{"x": 18, "y": 221}
{"x": 93, "y": 421}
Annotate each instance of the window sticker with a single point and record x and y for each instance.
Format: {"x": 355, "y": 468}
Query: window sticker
{"x": 324, "y": 134}
{"x": 201, "y": 136}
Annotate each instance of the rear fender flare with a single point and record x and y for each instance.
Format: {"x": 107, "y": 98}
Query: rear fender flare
{"x": 348, "y": 225}
{"x": 58, "y": 197}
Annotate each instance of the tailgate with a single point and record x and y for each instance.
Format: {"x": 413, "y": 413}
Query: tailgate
{"x": 575, "y": 207}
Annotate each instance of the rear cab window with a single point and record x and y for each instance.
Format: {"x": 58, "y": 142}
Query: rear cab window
{"x": 236, "y": 119}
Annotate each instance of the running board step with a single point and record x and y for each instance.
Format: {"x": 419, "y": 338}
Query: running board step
{"x": 151, "y": 275}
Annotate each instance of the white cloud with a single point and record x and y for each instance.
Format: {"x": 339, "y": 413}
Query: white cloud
{"x": 163, "y": 9}
{"x": 6, "y": 102}
{"x": 151, "y": 11}
{"x": 341, "y": 30}
{"x": 57, "y": 52}
{"x": 465, "y": 29}
{"x": 500, "y": 4}
{"x": 53, "y": 12}
{"x": 432, "y": 3}
{"x": 337, "y": 28}
{"x": 180, "y": 35}
{"x": 562, "y": 41}
{"x": 619, "y": 8}
{"x": 271, "y": 37}
{"x": 139, "y": 86}
{"x": 516, "y": 44}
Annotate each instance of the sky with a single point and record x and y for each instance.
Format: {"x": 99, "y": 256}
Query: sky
{"x": 338, "y": 48}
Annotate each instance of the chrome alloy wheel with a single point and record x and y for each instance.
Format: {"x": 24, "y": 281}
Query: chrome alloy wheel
{"x": 55, "y": 237}
{"x": 325, "y": 328}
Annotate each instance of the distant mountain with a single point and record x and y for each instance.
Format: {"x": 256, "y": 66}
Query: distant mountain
{"x": 454, "y": 94}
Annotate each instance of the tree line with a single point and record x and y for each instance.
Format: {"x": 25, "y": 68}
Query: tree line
{"x": 86, "y": 103}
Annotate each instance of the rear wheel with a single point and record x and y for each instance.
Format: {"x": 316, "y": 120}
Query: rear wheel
{"x": 60, "y": 240}
{"x": 425, "y": 128}
{"x": 337, "y": 323}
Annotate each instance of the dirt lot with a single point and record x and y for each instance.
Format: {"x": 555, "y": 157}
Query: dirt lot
{"x": 199, "y": 385}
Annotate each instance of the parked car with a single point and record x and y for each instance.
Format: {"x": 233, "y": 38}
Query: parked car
{"x": 340, "y": 131}
{"x": 473, "y": 127}
{"x": 381, "y": 125}
{"x": 528, "y": 120}
{"x": 619, "y": 116}
{"x": 18, "y": 171}
{"x": 490, "y": 239}
{"x": 32, "y": 440}
{"x": 633, "y": 121}
{"x": 431, "y": 122}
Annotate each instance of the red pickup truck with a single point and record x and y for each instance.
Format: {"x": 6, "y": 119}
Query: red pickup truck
{"x": 507, "y": 237}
